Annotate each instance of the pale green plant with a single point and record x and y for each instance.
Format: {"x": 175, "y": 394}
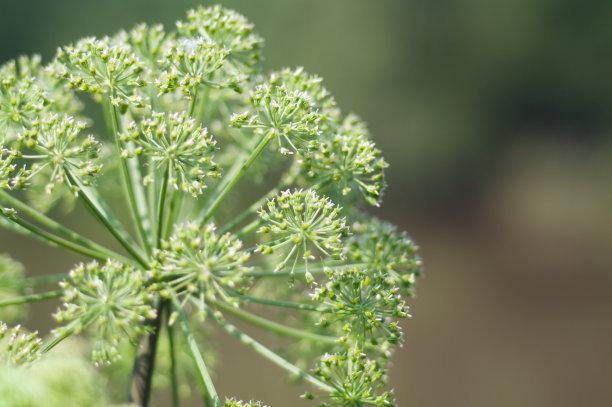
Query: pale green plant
{"x": 194, "y": 255}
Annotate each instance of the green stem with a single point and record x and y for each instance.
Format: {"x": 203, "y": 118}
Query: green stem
{"x": 138, "y": 212}
{"x": 46, "y": 279}
{"x": 141, "y": 203}
{"x": 267, "y": 353}
{"x": 161, "y": 204}
{"x": 57, "y": 227}
{"x": 282, "y": 304}
{"x": 273, "y": 326}
{"x": 75, "y": 326}
{"x": 251, "y": 209}
{"x": 26, "y": 299}
{"x": 230, "y": 181}
{"x": 29, "y": 229}
{"x": 176, "y": 203}
{"x": 102, "y": 213}
{"x": 302, "y": 270}
{"x": 193, "y": 103}
{"x": 144, "y": 363}
{"x": 284, "y": 183}
{"x": 176, "y": 401}
{"x": 197, "y": 358}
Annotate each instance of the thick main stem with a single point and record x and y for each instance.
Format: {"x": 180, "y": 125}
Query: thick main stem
{"x": 144, "y": 364}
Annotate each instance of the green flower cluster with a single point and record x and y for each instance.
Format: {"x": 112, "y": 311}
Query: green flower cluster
{"x": 302, "y": 224}
{"x": 100, "y": 67}
{"x": 176, "y": 146}
{"x": 111, "y": 300}
{"x": 18, "y": 347}
{"x": 197, "y": 265}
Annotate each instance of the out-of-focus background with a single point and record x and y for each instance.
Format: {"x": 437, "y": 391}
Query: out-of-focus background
{"x": 496, "y": 119}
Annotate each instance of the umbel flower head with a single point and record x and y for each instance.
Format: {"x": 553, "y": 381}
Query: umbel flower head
{"x": 60, "y": 98}
{"x": 21, "y": 100}
{"x": 189, "y": 64}
{"x": 356, "y": 380}
{"x": 226, "y": 28}
{"x": 349, "y": 161}
{"x": 176, "y": 145}
{"x": 301, "y": 224}
{"x": 11, "y": 175}
{"x": 60, "y": 149}
{"x": 288, "y": 115}
{"x": 196, "y": 265}
{"x": 109, "y": 298}
{"x": 366, "y": 305}
{"x": 97, "y": 66}
{"x": 148, "y": 42}
{"x": 12, "y": 284}
{"x": 385, "y": 251}
{"x": 18, "y": 347}
{"x": 297, "y": 79}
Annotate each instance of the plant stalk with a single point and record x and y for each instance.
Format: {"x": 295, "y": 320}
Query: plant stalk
{"x": 144, "y": 363}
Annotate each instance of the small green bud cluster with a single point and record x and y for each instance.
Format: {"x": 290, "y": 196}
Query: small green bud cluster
{"x": 188, "y": 64}
{"x": 197, "y": 265}
{"x": 302, "y": 224}
{"x": 175, "y": 144}
{"x": 387, "y": 252}
{"x": 100, "y": 67}
{"x": 227, "y": 28}
{"x": 356, "y": 380}
{"x": 21, "y": 101}
{"x": 348, "y": 160}
{"x": 366, "y": 305}
{"x": 58, "y": 149}
{"x": 284, "y": 113}
{"x": 12, "y": 176}
{"x": 111, "y": 300}
{"x": 18, "y": 347}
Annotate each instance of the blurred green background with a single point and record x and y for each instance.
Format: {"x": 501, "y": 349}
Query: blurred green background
{"x": 496, "y": 119}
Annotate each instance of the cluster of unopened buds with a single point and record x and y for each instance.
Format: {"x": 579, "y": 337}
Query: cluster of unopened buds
{"x": 190, "y": 120}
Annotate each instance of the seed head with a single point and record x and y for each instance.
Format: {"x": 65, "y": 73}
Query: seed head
{"x": 175, "y": 143}
{"x": 112, "y": 300}
{"x": 301, "y": 224}
{"x": 196, "y": 264}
